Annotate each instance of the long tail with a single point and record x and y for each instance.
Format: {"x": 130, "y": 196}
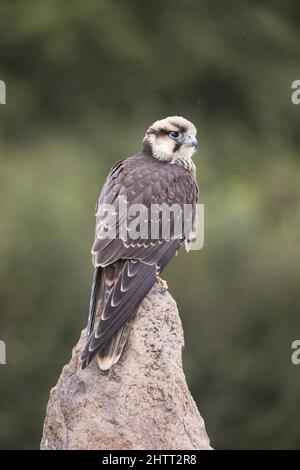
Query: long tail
{"x": 94, "y": 299}
{"x": 113, "y": 349}
{"x": 116, "y": 295}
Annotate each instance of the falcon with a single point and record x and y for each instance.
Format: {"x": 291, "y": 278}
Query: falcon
{"x": 126, "y": 266}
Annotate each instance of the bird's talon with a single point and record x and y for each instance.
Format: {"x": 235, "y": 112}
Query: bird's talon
{"x": 162, "y": 284}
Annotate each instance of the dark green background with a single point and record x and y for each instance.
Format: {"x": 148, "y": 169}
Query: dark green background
{"x": 84, "y": 80}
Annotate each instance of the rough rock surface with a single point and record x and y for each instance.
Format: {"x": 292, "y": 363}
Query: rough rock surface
{"x": 143, "y": 402}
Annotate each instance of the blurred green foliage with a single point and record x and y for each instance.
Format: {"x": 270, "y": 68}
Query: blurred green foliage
{"x": 84, "y": 80}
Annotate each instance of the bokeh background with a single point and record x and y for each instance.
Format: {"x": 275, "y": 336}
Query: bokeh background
{"x": 84, "y": 80}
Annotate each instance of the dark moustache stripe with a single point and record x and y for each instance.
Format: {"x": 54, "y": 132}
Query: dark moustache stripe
{"x": 177, "y": 146}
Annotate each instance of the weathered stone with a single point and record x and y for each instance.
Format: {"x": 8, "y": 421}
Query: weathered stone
{"x": 143, "y": 402}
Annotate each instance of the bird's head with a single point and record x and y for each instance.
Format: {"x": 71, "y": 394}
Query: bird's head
{"x": 171, "y": 138}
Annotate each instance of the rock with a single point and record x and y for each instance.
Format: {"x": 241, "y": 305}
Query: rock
{"x": 143, "y": 402}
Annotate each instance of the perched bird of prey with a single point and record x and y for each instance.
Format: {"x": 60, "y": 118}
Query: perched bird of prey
{"x": 126, "y": 267}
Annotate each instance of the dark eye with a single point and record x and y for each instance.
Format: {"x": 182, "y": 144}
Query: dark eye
{"x": 174, "y": 134}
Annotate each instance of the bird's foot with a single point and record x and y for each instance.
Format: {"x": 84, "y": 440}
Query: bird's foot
{"x": 162, "y": 284}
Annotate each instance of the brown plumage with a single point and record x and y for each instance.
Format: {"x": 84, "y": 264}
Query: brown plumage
{"x": 126, "y": 268}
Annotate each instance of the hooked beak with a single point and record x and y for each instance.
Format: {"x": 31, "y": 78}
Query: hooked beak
{"x": 191, "y": 141}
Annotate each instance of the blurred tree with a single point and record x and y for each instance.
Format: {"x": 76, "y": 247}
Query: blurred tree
{"x": 84, "y": 80}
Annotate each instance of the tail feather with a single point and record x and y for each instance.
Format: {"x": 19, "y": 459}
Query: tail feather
{"x": 103, "y": 283}
{"x": 112, "y": 352}
{"x": 94, "y": 299}
{"x": 124, "y": 284}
